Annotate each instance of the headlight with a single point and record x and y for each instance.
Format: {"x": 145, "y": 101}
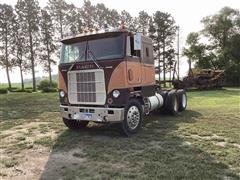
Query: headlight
{"x": 116, "y": 93}
{"x": 62, "y": 93}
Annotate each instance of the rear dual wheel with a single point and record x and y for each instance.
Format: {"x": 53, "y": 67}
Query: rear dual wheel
{"x": 171, "y": 104}
{"x": 176, "y": 101}
{"x": 182, "y": 99}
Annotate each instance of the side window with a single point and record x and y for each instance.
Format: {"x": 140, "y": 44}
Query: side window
{"x": 147, "y": 54}
{"x": 130, "y": 48}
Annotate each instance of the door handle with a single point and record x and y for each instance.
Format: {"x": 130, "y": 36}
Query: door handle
{"x": 130, "y": 74}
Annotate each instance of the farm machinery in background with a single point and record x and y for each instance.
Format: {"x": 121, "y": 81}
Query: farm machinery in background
{"x": 201, "y": 79}
{"x": 196, "y": 79}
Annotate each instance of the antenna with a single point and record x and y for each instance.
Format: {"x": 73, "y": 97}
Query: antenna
{"x": 178, "y": 69}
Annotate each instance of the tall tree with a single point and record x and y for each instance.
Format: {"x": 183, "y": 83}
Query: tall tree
{"x": 234, "y": 55}
{"x": 28, "y": 14}
{"x": 143, "y": 22}
{"x": 6, "y": 37}
{"x": 88, "y": 14}
{"x": 219, "y": 28}
{"x": 102, "y": 15}
{"x": 194, "y": 50}
{"x": 75, "y": 24}
{"x": 58, "y": 10}
{"x": 163, "y": 32}
{"x": 156, "y": 46}
{"x": 113, "y": 18}
{"x": 128, "y": 20}
{"x": 48, "y": 48}
{"x": 222, "y": 30}
{"x": 19, "y": 51}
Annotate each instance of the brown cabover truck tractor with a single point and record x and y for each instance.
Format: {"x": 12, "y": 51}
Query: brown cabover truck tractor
{"x": 109, "y": 77}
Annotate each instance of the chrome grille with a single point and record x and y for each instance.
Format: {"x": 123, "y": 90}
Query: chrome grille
{"x": 86, "y": 87}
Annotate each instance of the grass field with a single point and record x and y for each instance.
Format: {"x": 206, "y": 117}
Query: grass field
{"x": 200, "y": 143}
{"x": 16, "y": 85}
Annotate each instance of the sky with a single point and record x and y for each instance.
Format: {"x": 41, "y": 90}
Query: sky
{"x": 187, "y": 14}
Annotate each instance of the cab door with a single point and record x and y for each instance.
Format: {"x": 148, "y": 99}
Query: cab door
{"x": 134, "y": 71}
{"x": 133, "y": 63}
{"x": 148, "y": 69}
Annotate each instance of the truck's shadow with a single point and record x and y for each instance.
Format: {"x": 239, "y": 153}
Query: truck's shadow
{"x": 101, "y": 152}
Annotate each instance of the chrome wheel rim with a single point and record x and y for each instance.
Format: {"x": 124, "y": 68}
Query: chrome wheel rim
{"x": 184, "y": 100}
{"x": 133, "y": 117}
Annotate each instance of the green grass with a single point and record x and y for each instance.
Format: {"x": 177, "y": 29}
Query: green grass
{"x": 17, "y": 85}
{"x": 45, "y": 141}
{"x": 19, "y": 108}
{"x": 8, "y": 162}
{"x": 200, "y": 143}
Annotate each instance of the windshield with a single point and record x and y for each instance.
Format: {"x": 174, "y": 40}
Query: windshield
{"x": 102, "y": 49}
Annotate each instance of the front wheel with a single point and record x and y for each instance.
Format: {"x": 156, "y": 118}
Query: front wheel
{"x": 75, "y": 124}
{"x": 133, "y": 116}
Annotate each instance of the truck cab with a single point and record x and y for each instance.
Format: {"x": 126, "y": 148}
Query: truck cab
{"x": 108, "y": 77}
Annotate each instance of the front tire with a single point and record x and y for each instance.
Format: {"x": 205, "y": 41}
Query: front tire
{"x": 133, "y": 115}
{"x": 75, "y": 124}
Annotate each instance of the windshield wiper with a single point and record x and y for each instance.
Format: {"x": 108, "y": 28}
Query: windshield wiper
{"x": 87, "y": 52}
{"x": 75, "y": 61}
{"x": 93, "y": 57}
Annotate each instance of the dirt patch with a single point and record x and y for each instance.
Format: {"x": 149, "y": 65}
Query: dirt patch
{"x": 156, "y": 144}
{"x": 37, "y": 162}
{"x": 221, "y": 144}
{"x": 30, "y": 166}
{"x": 40, "y": 163}
{"x": 213, "y": 137}
{"x": 187, "y": 143}
{"x": 236, "y": 145}
{"x": 58, "y": 161}
{"x": 27, "y": 133}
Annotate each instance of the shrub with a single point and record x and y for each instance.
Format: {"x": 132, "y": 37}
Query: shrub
{"x": 49, "y": 90}
{"x": 45, "y": 86}
{"x": 17, "y": 90}
{"x": 12, "y": 89}
{"x": 28, "y": 88}
{"x": 3, "y": 91}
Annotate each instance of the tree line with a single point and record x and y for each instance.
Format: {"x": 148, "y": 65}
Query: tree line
{"x": 217, "y": 45}
{"x": 30, "y": 35}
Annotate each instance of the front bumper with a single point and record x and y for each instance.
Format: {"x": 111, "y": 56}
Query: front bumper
{"x": 95, "y": 114}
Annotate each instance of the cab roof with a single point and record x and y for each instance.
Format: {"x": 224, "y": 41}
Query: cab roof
{"x": 94, "y": 35}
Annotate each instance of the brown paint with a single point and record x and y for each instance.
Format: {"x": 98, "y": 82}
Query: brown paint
{"x": 148, "y": 74}
{"x": 61, "y": 82}
{"x": 118, "y": 78}
{"x": 143, "y": 75}
{"x": 135, "y": 69}
{"x": 123, "y": 74}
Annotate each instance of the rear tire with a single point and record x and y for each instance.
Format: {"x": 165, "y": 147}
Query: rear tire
{"x": 75, "y": 124}
{"x": 172, "y": 105}
{"x": 182, "y": 99}
{"x": 133, "y": 115}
